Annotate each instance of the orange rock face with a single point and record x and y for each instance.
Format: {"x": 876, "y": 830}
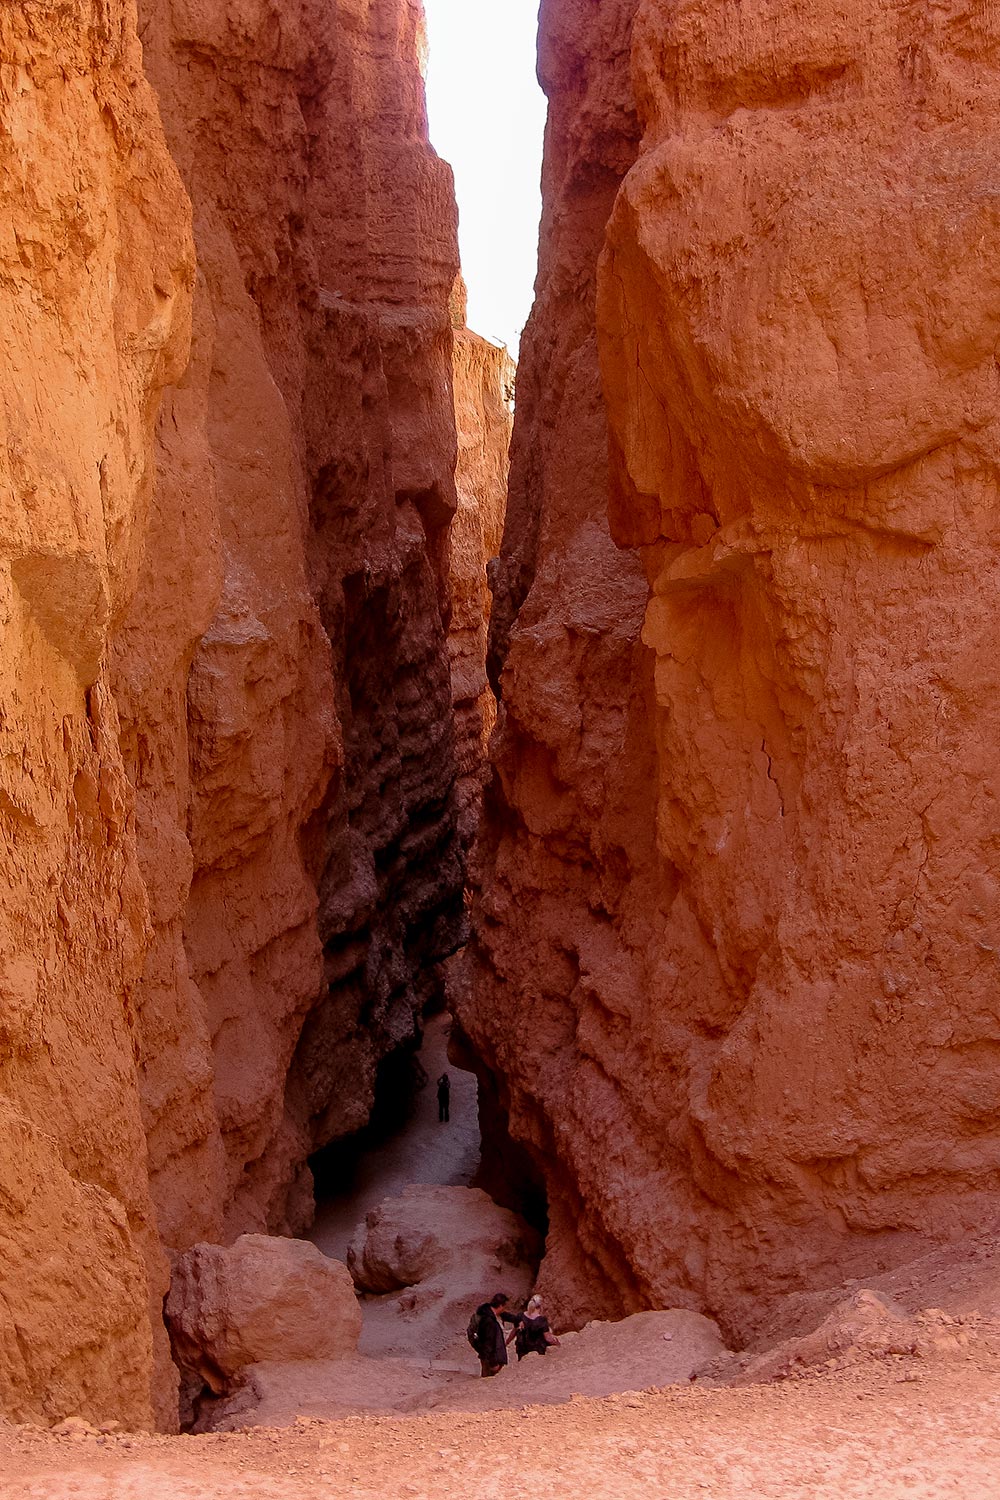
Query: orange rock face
{"x": 734, "y": 944}
{"x": 228, "y": 786}
{"x": 97, "y": 269}
{"x": 484, "y": 383}
{"x": 567, "y": 847}
{"x": 302, "y": 711}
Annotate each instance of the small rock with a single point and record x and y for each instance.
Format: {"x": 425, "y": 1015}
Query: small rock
{"x": 74, "y": 1427}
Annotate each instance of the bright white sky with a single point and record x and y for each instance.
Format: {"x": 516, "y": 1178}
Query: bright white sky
{"x": 487, "y": 117}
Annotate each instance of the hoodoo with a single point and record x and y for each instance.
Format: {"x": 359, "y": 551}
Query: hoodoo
{"x": 738, "y": 871}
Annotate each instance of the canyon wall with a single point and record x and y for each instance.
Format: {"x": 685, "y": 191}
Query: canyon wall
{"x": 484, "y": 388}
{"x": 307, "y": 877}
{"x": 228, "y": 791}
{"x": 735, "y": 935}
{"x": 98, "y": 268}
{"x": 567, "y": 854}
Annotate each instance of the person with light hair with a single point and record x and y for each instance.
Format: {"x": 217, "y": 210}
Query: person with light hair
{"x": 532, "y": 1332}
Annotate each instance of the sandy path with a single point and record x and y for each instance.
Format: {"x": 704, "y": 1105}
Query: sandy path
{"x": 913, "y": 1429}
{"x": 423, "y": 1151}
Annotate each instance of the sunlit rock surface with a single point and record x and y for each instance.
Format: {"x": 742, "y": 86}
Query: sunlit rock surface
{"x": 97, "y": 270}
{"x": 484, "y": 388}
{"x": 736, "y": 930}
{"x": 228, "y": 783}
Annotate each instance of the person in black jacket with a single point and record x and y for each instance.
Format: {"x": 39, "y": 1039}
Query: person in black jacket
{"x": 533, "y": 1334}
{"x": 444, "y": 1099}
{"x": 491, "y": 1344}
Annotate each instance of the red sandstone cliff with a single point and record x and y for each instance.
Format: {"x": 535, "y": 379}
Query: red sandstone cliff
{"x": 94, "y": 298}
{"x": 229, "y": 788}
{"x": 484, "y": 383}
{"x": 310, "y": 453}
{"x": 736, "y": 932}
{"x": 566, "y": 849}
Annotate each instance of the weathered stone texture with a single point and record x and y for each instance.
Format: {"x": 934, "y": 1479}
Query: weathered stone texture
{"x": 307, "y": 877}
{"x": 262, "y": 1298}
{"x": 735, "y": 939}
{"x": 227, "y": 789}
{"x": 484, "y": 384}
{"x": 96, "y": 263}
{"x": 567, "y": 846}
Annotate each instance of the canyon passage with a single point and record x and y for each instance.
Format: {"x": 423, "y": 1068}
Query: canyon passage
{"x": 631, "y": 757}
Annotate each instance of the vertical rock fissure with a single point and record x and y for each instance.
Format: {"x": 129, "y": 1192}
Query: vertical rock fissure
{"x": 242, "y": 701}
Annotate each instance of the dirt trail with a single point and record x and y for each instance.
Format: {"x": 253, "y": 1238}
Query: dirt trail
{"x": 914, "y": 1429}
{"x": 917, "y": 1425}
{"x": 421, "y": 1151}
{"x": 426, "y": 1151}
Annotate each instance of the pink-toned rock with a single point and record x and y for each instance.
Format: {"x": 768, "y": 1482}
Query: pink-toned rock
{"x": 434, "y": 1232}
{"x": 263, "y": 1298}
{"x": 861, "y": 1326}
{"x": 484, "y": 385}
{"x": 735, "y": 952}
{"x": 445, "y": 1250}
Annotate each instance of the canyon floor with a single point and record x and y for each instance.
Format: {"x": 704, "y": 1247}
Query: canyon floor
{"x": 911, "y": 1429}
{"x": 866, "y": 1422}
{"x": 420, "y": 1150}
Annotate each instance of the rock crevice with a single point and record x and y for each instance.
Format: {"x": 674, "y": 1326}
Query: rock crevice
{"x": 230, "y": 795}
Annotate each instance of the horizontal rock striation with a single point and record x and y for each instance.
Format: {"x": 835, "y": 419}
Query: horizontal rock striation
{"x": 734, "y": 944}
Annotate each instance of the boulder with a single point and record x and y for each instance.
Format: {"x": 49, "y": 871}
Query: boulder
{"x": 263, "y": 1298}
{"x": 443, "y": 1250}
{"x": 413, "y": 1238}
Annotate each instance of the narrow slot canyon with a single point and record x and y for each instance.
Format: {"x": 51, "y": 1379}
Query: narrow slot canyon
{"x": 497, "y": 750}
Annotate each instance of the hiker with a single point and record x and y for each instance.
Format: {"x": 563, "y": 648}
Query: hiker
{"x": 444, "y": 1098}
{"x": 532, "y": 1333}
{"x": 486, "y": 1333}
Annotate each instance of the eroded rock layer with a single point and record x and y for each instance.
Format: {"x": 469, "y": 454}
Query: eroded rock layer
{"x": 310, "y": 452}
{"x": 97, "y": 267}
{"x": 735, "y": 938}
{"x": 567, "y": 847}
{"x": 228, "y": 780}
{"x": 484, "y": 387}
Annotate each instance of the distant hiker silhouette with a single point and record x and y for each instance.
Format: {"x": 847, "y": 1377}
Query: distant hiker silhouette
{"x": 444, "y": 1099}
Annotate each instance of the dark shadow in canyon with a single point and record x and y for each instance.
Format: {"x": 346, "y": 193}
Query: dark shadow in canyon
{"x": 399, "y": 1082}
{"x": 404, "y": 1142}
